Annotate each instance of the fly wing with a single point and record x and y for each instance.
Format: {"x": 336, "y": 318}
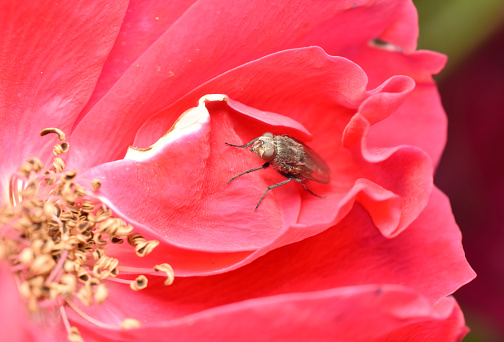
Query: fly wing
{"x": 313, "y": 166}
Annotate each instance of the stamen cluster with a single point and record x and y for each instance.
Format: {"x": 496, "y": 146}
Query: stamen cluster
{"x": 54, "y": 234}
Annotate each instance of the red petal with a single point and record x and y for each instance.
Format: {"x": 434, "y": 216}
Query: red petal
{"x": 184, "y": 211}
{"x": 422, "y": 110}
{"x": 349, "y": 254}
{"x": 14, "y": 320}
{"x": 354, "y": 252}
{"x": 319, "y": 98}
{"x": 52, "y": 54}
{"x": 274, "y": 83}
{"x": 383, "y": 166}
{"x": 144, "y": 23}
{"x": 15, "y": 324}
{"x": 421, "y": 120}
{"x": 392, "y": 21}
{"x": 199, "y": 46}
{"x": 189, "y": 205}
{"x": 403, "y": 29}
{"x": 300, "y": 285}
{"x": 446, "y": 325}
{"x": 388, "y": 313}
{"x": 182, "y": 197}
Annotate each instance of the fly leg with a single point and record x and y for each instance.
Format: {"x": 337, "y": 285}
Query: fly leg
{"x": 265, "y": 165}
{"x": 306, "y": 188}
{"x": 272, "y": 187}
{"x": 285, "y": 182}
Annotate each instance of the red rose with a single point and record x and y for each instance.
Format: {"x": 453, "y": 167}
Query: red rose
{"x": 380, "y": 251}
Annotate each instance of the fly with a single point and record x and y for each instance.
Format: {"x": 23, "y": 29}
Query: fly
{"x": 290, "y": 157}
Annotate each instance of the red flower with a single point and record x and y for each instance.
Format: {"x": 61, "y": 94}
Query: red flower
{"x": 381, "y": 250}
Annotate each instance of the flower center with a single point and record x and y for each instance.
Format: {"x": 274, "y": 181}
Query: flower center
{"x": 55, "y": 235}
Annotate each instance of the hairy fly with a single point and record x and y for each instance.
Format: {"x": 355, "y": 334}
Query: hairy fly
{"x": 290, "y": 157}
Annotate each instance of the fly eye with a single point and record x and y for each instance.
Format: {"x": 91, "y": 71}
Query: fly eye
{"x": 268, "y": 134}
{"x": 268, "y": 154}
